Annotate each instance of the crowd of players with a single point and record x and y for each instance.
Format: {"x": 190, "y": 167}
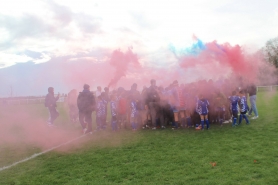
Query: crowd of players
{"x": 176, "y": 106}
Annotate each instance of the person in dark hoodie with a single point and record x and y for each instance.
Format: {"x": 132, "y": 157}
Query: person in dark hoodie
{"x": 86, "y": 104}
{"x": 50, "y": 103}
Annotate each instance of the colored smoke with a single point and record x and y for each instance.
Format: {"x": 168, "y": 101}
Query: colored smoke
{"x": 120, "y": 61}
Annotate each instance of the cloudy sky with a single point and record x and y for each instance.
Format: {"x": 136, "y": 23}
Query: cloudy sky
{"x": 40, "y": 31}
{"x": 36, "y": 31}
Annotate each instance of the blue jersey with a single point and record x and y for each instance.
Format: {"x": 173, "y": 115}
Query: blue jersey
{"x": 101, "y": 108}
{"x": 243, "y": 104}
{"x": 133, "y": 107}
{"x": 234, "y": 103}
{"x": 202, "y": 106}
{"x": 113, "y": 108}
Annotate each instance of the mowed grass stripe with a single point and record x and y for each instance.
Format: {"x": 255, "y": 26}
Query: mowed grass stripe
{"x": 165, "y": 156}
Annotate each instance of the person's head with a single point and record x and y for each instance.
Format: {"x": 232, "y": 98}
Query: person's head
{"x": 106, "y": 89}
{"x": 175, "y": 83}
{"x": 86, "y": 87}
{"x": 113, "y": 97}
{"x": 134, "y": 86}
{"x": 50, "y": 89}
{"x": 241, "y": 93}
{"x": 153, "y": 82}
{"x": 98, "y": 88}
{"x": 102, "y": 95}
{"x": 234, "y": 93}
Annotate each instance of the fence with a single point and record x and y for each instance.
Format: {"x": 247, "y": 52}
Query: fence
{"x": 22, "y": 100}
{"x": 267, "y": 88}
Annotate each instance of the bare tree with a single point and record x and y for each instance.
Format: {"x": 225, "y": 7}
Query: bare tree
{"x": 271, "y": 51}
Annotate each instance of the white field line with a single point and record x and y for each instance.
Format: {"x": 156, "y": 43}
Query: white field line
{"x": 38, "y": 154}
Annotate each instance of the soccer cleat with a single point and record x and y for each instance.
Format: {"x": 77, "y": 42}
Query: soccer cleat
{"x": 255, "y": 117}
{"x": 163, "y": 127}
{"x": 154, "y": 128}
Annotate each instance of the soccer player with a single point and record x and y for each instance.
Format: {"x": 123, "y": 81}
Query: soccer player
{"x": 219, "y": 103}
{"x": 101, "y": 112}
{"x": 243, "y": 107}
{"x": 72, "y": 105}
{"x": 202, "y": 109}
{"x": 50, "y": 103}
{"x": 133, "y": 112}
{"x": 113, "y": 108}
{"x": 234, "y": 99}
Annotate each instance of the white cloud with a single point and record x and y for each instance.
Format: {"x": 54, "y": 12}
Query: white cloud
{"x": 62, "y": 27}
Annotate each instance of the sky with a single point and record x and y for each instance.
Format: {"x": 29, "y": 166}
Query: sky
{"x": 35, "y": 34}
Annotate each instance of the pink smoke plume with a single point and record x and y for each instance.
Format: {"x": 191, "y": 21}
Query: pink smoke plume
{"x": 120, "y": 61}
{"x": 216, "y": 58}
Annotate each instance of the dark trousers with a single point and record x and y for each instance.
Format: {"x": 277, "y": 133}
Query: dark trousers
{"x": 85, "y": 118}
{"x": 53, "y": 114}
{"x": 154, "y": 106}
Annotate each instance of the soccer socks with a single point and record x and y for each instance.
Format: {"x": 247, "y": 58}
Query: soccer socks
{"x": 234, "y": 121}
{"x": 183, "y": 122}
{"x": 175, "y": 124}
{"x": 207, "y": 123}
{"x": 114, "y": 125}
{"x": 245, "y": 117}
{"x": 133, "y": 125}
{"x": 240, "y": 119}
{"x": 188, "y": 121}
{"x": 202, "y": 123}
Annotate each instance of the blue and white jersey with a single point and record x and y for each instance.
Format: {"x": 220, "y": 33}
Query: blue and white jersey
{"x": 202, "y": 106}
{"x": 243, "y": 104}
{"x": 113, "y": 107}
{"x": 101, "y": 108}
{"x": 133, "y": 109}
{"x": 234, "y": 103}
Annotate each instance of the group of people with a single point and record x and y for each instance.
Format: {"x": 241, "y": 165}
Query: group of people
{"x": 175, "y": 106}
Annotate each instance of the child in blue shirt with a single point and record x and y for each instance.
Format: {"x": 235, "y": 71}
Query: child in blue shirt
{"x": 243, "y": 107}
{"x": 113, "y": 108}
{"x": 202, "y": 110}
{"x": 101, "y": 112}
{"x": 133, "y": 112}
{"x": 234, "y": 99}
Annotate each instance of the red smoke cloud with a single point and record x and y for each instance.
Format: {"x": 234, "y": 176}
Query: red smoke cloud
{"x": 121, "y": 61}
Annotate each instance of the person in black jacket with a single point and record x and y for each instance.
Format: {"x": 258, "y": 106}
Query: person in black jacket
{"x": 86, "y": 105}
{"x": 50, "y": 103}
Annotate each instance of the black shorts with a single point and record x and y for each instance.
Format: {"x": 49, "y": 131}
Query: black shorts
{"x": 243, "y": 112}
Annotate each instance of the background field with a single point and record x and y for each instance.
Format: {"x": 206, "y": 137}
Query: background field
{"x": 247, "y": 154}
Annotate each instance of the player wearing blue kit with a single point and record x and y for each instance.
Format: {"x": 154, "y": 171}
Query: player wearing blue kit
{"x": 133, "y": 113}
{"x": 202, "y": 109}
{"x": 113, "y": 108}
{"x": 101, "y": 112}
{"x": 243, "y": 107}
{"x": 234, "y": 99}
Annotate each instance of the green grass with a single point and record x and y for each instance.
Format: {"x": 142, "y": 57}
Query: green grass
{"x": 162, "y": 156}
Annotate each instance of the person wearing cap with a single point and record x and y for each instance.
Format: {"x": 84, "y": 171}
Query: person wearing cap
{"x": 50, "y": 103}
{"x": 86, "y": 104}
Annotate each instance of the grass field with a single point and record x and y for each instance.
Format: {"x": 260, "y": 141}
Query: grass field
{"x": 247, "y": 154}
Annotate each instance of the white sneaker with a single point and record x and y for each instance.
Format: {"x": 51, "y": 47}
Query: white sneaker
{"x": 154, "y": 128}
{"x": 227, "y": 121}
{"x": 163, "y": 127}
{"x": 84, "y": 130}
{"x": 255, "y": 117}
